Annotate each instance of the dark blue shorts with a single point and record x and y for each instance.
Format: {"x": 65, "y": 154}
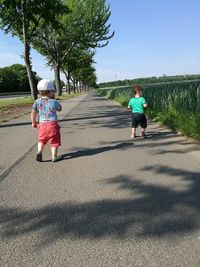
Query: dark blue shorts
{"x": 139, "y": 119}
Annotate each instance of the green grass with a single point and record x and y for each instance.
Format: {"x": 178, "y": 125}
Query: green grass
{"x": 17, "y": 107}
{"x": 181, "y": 117}
{"x": 122, "y": 100}
{"x": 22, "y": 101}
{"x": 65, "y": 96}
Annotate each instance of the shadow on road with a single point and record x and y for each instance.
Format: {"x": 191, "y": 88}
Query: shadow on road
{"x": 94, "y": 151}
{"x": 14, "y": 124}
{"x": 111, "y": 117}
{"x": 149, "y": 211}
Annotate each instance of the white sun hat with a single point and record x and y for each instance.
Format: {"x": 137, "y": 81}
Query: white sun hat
{"x": 45, "y": 85}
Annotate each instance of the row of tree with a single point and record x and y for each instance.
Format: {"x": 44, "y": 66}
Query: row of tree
{"x": 14, "y": 78}
{"x": 149, "y": 80}
{"x": 65, "y": 32}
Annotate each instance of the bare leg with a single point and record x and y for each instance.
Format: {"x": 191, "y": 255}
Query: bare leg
{"x": 143, "y": 131}
{"x": 133, "y": 132}
{"x": 40, "y": 147}
{"x": 54, "y": 152}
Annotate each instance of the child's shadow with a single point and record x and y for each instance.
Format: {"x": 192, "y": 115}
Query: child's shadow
{"x": 93, "y": 151}
{"x": 46, "y": 160}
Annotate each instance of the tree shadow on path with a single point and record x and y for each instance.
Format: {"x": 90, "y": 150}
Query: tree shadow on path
{"x": 151, "y": 210}
{"x": 94, "y": 151}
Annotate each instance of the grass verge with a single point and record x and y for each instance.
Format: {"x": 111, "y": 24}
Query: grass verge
{"x": 186, "y": 123}
{"x": 17, "y": 107}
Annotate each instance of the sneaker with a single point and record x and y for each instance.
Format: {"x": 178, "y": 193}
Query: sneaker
{"x": 39, "y": 157}
{"x": 58, "y": 158}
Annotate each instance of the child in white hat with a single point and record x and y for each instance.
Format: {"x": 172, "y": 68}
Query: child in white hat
{"x": 45, "y": 108}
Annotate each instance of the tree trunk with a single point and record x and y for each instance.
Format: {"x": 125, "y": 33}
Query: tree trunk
{"x": 57, "y": 78}
{"x": 30, "y": 73}
{"x": 77, "y": 88}
{"x": 81, "y": 86}
{"x": 74, "y": 87}
{"x": 27, "y": 57}
{"x": 68, "y": 85}
{"x": 67, "y": 76}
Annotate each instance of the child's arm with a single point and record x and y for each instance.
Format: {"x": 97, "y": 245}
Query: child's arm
{"x": 33, "y": 118}
{"x": 145, "y": 105}
{"x": 129, "y": 105}
{"x": 58, "y": 106}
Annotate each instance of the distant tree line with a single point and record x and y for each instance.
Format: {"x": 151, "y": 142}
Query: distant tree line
{"x": 65, "y": 32}
{"x": 14, "y": 78}
{"x": 149, "y": 80}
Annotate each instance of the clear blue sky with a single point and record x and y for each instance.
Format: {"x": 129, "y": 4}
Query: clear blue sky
{"x": 152, "y": 38}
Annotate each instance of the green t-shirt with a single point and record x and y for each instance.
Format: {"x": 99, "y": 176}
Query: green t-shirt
{"x": 136, "y": 104}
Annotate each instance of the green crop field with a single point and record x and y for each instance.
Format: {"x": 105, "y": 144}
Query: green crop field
{"x": 176, "y": 104}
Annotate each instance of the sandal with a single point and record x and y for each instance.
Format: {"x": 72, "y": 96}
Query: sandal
{"x": 58, "y": 158}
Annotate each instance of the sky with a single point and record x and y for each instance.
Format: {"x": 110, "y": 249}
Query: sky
{"x": 152, "y": 38}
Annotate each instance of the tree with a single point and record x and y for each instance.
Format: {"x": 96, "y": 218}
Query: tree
{"x": 84, "y": 27}
{"x": 22, "y": 18}
{"x": 22, "y": 77}
{"x": 14, "y": 79}
{"x": 8, "y": 80}
{"x": 75, "y": 64}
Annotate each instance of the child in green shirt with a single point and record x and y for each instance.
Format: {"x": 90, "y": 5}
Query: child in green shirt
{"x": 137, "y": 104}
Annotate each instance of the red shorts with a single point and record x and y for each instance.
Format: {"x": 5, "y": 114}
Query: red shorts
{"x": 49, "y": 131}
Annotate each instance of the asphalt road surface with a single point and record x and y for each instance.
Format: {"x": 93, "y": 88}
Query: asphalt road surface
{"x": 111, "y": 201}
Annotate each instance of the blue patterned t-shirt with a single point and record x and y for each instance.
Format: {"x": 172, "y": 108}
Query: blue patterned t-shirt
{"x": 47, "y": 109}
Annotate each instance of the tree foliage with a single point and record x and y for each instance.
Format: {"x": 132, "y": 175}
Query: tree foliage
{"x": 23, "y": 18}
{"x": 14, "y": 78}
{"x": 55, "y": 28}
{"x": 84, "y": 27}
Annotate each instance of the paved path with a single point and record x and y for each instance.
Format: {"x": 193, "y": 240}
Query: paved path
{"x": 111, "y": 202}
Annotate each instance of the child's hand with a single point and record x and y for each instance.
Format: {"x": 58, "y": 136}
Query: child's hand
{"x": 34, "y": 124}
{"x": 145, "y": 105}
